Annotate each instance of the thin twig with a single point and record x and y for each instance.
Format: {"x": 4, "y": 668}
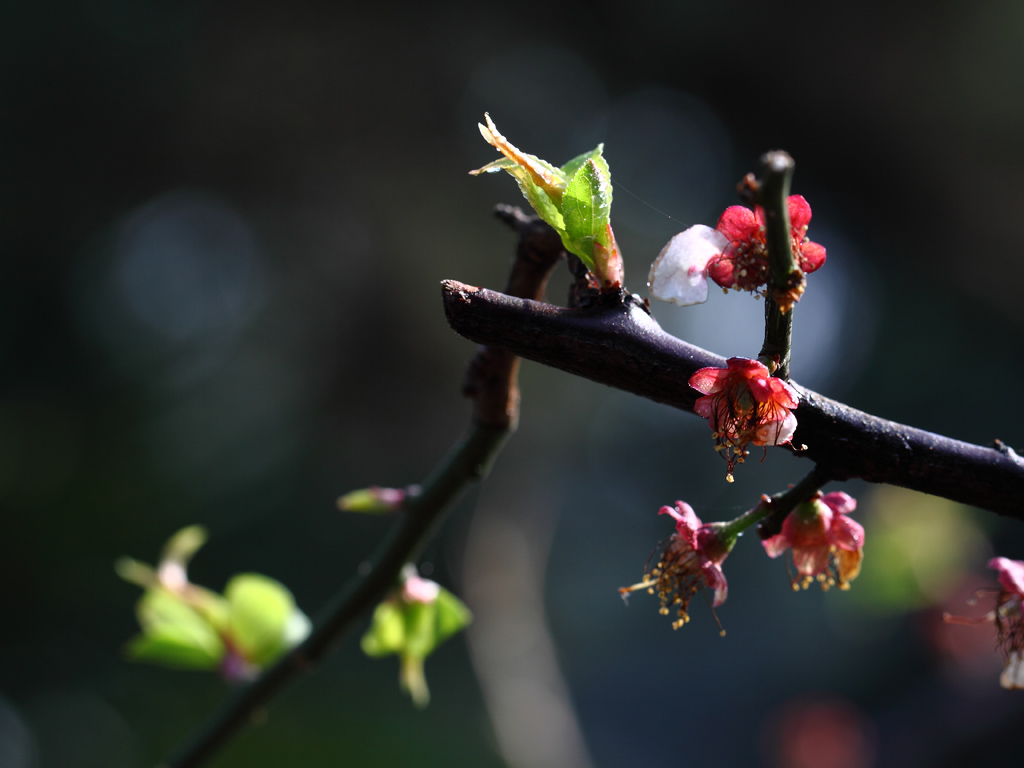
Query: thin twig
{"x": 491, "y": 382}
{"x": 625, "y": 348}
{"x": 783, "y": 273}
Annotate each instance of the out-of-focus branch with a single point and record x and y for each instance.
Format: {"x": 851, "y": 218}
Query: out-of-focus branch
{"x": 491, "y": 382}
{"x": 625, "y": 348}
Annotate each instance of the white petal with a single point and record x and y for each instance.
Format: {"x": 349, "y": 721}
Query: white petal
{"x": 1013, "y": 674}
{"x": 679, "y": 274}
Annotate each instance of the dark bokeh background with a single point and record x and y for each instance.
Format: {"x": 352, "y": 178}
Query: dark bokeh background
{"x": 222, "y": 228}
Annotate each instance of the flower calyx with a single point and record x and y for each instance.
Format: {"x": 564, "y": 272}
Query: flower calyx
{"x": 744, "y": 405}
{"x": 827, "y": 547}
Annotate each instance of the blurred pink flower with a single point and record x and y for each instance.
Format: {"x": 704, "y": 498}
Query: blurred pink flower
{"x": 1009, "y": 619}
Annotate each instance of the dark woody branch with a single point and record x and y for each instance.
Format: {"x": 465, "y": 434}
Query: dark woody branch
{"x": 623, "y": 347}
{"x": 491, "y": 383}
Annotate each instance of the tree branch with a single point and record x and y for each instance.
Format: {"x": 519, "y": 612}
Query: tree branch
{"x": 624, "y": 347}
{"x": 491, "y": 382}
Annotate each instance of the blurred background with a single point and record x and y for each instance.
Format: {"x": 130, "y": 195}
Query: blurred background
{"x": 222, "y": 229}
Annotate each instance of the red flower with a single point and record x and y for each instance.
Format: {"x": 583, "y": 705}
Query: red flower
{"x": 744, "y": 404}
{"x": 1010, "y": 620}
{"x": 827, "y": 545}
{"x": 734, "y": 254}
{"x": 691, "y": 561}
{"x": 744, "y": 262}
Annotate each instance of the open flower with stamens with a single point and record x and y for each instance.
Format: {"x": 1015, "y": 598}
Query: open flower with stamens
{"x": 734, "y": 254}
{"x": 827, "y": 546}
{"x": 744, "y": 405}
{"x": 690, "y": 561}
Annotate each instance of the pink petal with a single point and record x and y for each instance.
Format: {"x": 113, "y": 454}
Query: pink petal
{"x": 783, "y": 394}
{"x": 808, "y": 528}
{"x": 737, "y": 223}
{"x": 839, "y": 502}
{"x": 708, "y": 380}
{"x": 747, "y": 367}
{"x": 799, "y": 212}
{"x": 683, "y": 514}
{"x": 812, "y": 256}
{"x": 776, "y": 432}
{"x": 1011, "y": 573}
{"x": 705, "y": 406}
{"x": 846, "y": 533}
{"x": 716, "y": 581}
{"x": 811, "y": 560}
{"x": 679, "y": 273}
{"x": 761, "y": 389}
{"x": 775, "y": 545}
{"x": 722, "y": 271}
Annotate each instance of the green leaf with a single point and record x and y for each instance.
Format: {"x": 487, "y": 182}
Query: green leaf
{"x": 260, "y": 611}
{"x": 185, "y": 543}
{"x": 135, "y": 572}
{"x": 420, "y": 629}
{"x": 586, "y": 207}
{"x": 173, "y": 633}
{"x": 452, "y": 615}
{"x": 570, "y": 168}
{"x": 413, "y": 680}
{"x": 175, "y": 647}
{"x": 541, "y": 202}
{"x": 386, "y": 634}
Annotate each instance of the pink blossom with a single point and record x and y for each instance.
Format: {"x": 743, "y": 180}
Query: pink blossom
{"x": 744, "y": 405}
{"x": 733, "y": 254}
{"x": 691, "y": 561}
{"x": 826, "y": 545}
{"x": 1009, "y": 619}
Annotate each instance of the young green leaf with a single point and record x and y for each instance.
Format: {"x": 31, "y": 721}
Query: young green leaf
{"x": 173, "y": 633}
{"x": 452, "y": 615}
{"x": 596, "y": 154}
{"x": 175, "y": 647}
{"x": 574, "y": 199}
{"x": 586, "y": 207}
{"x": 420, "y": 629}
{"x": 260, "y": 611}
{"x": 413, "y": 680}
{"x": 184, "y": 544}
{"x": 386, "y": 634}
